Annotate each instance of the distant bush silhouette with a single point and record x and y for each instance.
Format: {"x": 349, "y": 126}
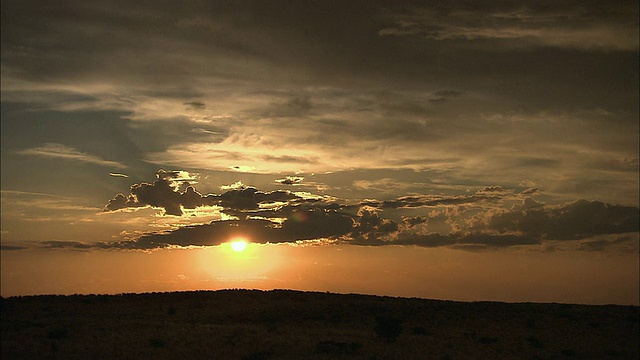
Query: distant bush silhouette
{"x": 488, "y": 340}
{"x": 535, "y": 342}
{"x": 157, "y": 342}
{"x": 337, "y": 347}
{"x": 259, "y": 355}
{"x": 419, "y": 330}
{"x": 58, "y": 333}
{"x": 388, "y": 327}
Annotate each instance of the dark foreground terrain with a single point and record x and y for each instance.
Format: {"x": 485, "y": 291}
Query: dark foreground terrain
{"x": 279, "y": 324}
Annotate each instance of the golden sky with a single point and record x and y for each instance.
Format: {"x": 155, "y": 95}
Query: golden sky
{"x": 473, "y": 151}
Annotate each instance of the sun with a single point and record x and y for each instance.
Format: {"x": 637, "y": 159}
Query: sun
{"x": 238, "y": 245}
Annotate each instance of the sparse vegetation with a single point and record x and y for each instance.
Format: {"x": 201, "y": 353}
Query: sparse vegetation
{"x": 569, "y": 353}
{"x": 388, "y": 327}
{"x": 259, "y": 325}
{"x": 58, "y": 333}
{"x": 157, "y": 342}
{"x": 337, "y": 347}
{"x": 419, "y": 330}
{"x": 259, "y": 355}
{"x": 535, "y": 342}
{"x": 487, "y": 340}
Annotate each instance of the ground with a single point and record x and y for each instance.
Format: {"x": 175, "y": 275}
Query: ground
{"x": 283, "y": 324}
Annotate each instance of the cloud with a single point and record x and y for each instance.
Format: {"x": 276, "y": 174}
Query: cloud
{"x": 58, "y": 244}
{"x": 492, "y": 189}
{"x": 577, "y": 27}
{"x": 480, "y": 220}
{"x": 443, "y": 96}
{"x": 575, "y": 220}
{"x": 61, "y": 151}
{"x": 382, "y": 185}
{"x": 162, "y": 193}
{"x": 370, "y": 228}
{"x": 236, "y": 185}
{"x": 302, "y": 224}
{"x": 313, "y": 223}
{"x": 176, "y": 177}
{"x": 412, "y": 221}
{"x": 468, "y": 241}
{"x": 438, "y": 101}
{"x": 490, "y": 240}
{"x": 486, "y": 219}
{"x": 428, "y": 97}
{"x": 290, "y": 180}
{"x": 212, "y": 234}
{"x": 417, "y": 201}
{"x": 195, "y": 105}
{"x": 529, "y": 191}
{"x": 531, "y": 223}
{"x": 249, "y": 198}
{"x": 165, "y": 193}
{"x": 600, "y": 244}
{"x": 448, "y": 93}
{"x": 12, "y": 247}
{"x": 244, "y": 168}
{"x": 295, "y": 106}
{"x": 118, "y": 175}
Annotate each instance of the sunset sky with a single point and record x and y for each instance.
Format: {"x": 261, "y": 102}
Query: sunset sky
{"x": 462, "y": 150}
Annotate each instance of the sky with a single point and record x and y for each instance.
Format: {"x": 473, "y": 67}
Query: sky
{"x": 483, "y": 150}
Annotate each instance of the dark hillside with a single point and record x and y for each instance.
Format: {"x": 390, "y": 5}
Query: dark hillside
{"x": 281, "y": 324}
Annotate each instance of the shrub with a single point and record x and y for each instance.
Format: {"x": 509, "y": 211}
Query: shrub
{"x": 419, "y": 330}
{"x": 388, "y": 327}
{"x": 58, "y": 333}
{"x": 487, "y": 340}
{"x": 337, "y": 348}
{"x": 535, "y": 342}
{"x": 259, "y": 355}
{"x": 569, "y": 352}
{"x": 157, "y": 342}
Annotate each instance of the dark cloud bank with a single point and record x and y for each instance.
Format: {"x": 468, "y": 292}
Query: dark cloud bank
{"x": 165, "y": 193}
{"x": 286, "y": 217}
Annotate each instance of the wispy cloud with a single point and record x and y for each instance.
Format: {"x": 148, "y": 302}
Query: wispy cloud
{"x": 579, "y": 28}
{"x": 443, "y": 117}
{"x": 61, "y": 151}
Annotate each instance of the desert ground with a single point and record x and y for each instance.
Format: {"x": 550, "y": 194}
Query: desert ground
{"x": 285, "y": 324}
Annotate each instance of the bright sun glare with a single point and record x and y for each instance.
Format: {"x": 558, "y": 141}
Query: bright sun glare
{"x": 238, "y": 245}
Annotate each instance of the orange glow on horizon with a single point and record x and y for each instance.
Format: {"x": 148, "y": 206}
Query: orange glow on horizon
{"x": 239, "y": 262}
{"x": 439, "y": 273}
